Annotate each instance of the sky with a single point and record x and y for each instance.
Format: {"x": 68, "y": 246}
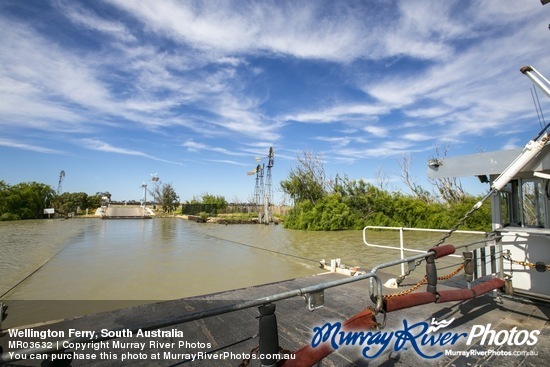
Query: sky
{"x": 115, "y": 91}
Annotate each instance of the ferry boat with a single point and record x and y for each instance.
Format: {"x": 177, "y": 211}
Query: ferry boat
{"x": 520, "y": 206}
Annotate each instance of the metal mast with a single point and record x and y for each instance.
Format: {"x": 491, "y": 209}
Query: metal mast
{"x": 268, "y": 188}
{"x": 61, "y": 177}
{"x": 261, "y": 187}
{"x": 263, "y": 192}
{"x": 268, "y": 200}
{"x": 256, "y": 171}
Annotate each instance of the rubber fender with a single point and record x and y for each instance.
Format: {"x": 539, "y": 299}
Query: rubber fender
{"x": 308, "y": 356}
{"x": 441, "y": 251}
{"x": 487, "y": 286}
{"x": 408, "y": 300}
{"x": 455, "y": 295}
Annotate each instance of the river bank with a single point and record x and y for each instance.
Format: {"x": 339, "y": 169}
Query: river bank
{"x": 221, "y": 218}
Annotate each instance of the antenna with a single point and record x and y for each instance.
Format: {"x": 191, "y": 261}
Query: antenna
{"x": 61, "y": 177}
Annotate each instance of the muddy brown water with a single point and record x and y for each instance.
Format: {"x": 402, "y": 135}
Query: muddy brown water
{"x": 131, "y": 261}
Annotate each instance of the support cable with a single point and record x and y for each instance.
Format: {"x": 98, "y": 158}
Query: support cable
{"x": 36, "y": 270}
{"x": 263, "y": 249}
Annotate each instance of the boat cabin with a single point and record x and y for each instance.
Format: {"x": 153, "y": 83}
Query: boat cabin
{"x": 520, "y": 216}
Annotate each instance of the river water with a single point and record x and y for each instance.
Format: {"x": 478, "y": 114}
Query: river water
{"x": 166, "y": 258}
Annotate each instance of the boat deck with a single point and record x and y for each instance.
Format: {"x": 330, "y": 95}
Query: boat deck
{"x": 235, "y": 333}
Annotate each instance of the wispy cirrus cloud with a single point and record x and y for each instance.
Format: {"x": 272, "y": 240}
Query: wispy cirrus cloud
{"x": 299, "y": 29}
{"x": 194, "y": 146}
{"x": 458, "y": 95}
{"x": 228, "y": 161}
{"x": 377, "y": 131}
{"x": 82, "y": 16}
{"x": 102, "y": 146}
{"x": 68, "y": 88}
{"x": 339, "y": 113}
{"x": 356, "y": 81}
{"x": 29, "y": 147}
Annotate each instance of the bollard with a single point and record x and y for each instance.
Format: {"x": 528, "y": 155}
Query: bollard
{"x": 468, "y": 266}
{"x": 269, "y": 336}
{"x": 431, "y": 274}
{"x": 508, "y": 288}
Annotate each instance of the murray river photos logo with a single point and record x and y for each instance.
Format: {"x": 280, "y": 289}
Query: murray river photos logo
{"x": 428, "y": 340}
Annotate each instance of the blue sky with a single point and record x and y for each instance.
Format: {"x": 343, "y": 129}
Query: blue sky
{"x": 112, "y": 91}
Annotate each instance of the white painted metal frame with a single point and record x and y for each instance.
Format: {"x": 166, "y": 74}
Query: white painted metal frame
{"x": 402, "y": 247}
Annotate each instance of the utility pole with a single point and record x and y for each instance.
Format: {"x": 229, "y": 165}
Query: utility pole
{"x": 144, "y": 186}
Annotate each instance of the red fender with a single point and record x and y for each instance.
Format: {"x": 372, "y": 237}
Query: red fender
{"x": 308, "y": 356}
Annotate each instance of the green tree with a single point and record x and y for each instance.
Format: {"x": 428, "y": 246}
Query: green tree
{"x": 354, "y": 204}
{"x": 26, "y": 200}
{"x": 95, "y": 201}
{"x": 206, "y": 203}
{"x": 307, "y": 179}
{"x": 70, "y": 202}
{"x": 169, "y": 199}
{"x": 209, "y": 199}
{"x": 417, "y": 190}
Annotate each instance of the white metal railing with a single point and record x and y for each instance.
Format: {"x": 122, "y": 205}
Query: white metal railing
{"x": 402, "y": 247}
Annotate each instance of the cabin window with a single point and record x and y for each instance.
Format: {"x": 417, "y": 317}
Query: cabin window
{"x": 506, "y": 208}
{"x": 509, "y": 214}
{"x": 533, "y": 200}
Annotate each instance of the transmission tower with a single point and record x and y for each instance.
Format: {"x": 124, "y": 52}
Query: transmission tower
{"x": 261, "y": 187}
{"x": 257, "y": 191}
{"x": 61, "y": 177}
{"x": 263, "y": 192}
{"x": 268, "y": 187}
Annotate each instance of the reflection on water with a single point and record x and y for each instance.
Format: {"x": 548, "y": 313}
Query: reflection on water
{"x": 159, "y": 259}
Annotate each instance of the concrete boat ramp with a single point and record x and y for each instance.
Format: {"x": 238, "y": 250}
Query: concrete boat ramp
{"x": 222, "y": 330}
{"x": 125, "y": 212}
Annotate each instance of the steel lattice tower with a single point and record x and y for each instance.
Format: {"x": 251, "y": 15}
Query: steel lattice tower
{"x": 261, "y": 187}
{"x": 263, "y": 192}
{"x": 257, "y": 190}
{"x": 268, "y": 187}
{"x": 61, "y": 177}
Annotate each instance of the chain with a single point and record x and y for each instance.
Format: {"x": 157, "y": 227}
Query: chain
{"x": 450, "y": 275}
{"x": 410, "y": 290}
{"x": 400, "y": 279}
{"x": 540, "y": 266}
{"x": 423, "y": 281}
{"x": 460, "y": 222}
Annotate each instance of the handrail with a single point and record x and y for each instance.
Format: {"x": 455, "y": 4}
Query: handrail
{"x": 376, "y": 295}
{"x": 426, "y": 254}
{"x": 401, "y": 241}
{"x": 5, "y": 358}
